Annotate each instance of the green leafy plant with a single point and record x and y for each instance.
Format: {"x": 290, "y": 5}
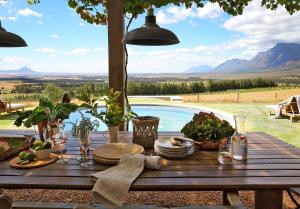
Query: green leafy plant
{"x": 85, "y": 124}
{"x": 207, "y": 127}
{"x": 113, "y": 115}
{"x": 56, "y": 111}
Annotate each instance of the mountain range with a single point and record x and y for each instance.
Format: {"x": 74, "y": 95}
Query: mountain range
{"x": 19, "y": 72}
{"x": 282, "y": 55}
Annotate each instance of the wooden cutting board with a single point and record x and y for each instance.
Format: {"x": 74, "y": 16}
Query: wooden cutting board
{"x": 114, "y": 151}
{"x": 34, "y": 164}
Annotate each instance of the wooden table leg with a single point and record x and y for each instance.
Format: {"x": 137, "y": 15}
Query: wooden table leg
{"x": 225, "y": 199}
{"x": 268, "y": 198}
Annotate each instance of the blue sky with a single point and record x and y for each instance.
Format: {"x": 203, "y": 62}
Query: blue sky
{"x": 59, "y": 41}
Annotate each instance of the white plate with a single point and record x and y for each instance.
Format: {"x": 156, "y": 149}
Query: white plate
{"x": 173, "y": 154}
{"x": 173, "y": 151}
{"x": 166, "y": 142}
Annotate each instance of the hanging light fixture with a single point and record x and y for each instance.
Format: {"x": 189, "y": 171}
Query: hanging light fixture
{"x": 150, "y": 34}
{"x": 8, "y": 39}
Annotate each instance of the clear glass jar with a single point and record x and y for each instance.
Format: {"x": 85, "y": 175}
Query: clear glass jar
{"x": 239, "y": 145}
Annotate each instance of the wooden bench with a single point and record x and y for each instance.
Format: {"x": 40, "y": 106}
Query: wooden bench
{"x": 6, "y": 202}
{"x": 39, "y": 205}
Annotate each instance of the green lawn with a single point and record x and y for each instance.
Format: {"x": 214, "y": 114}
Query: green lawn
{"x": 257, "y": 119}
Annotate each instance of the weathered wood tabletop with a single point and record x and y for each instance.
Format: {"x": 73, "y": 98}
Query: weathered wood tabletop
{"x": 272, "y": 166}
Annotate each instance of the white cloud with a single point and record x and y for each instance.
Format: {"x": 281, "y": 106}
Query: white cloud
{"x": 78, "y": 51}
{"x": 12, "y": 18}
{"x": 69, "y": 52}
{"x": 46, "y": 50}
{"x": 40, "y": 22}
{"x": 55, "y": 36}
{"x": 209, "y": 11}
{"x": 176, "y": 14}
{"x": 3, "y": 2}
{"x": 264, "y": 28}
{"x": 81, "y": 24}
{"x": 14, "y": 60}
{"x": 29, "y": 12}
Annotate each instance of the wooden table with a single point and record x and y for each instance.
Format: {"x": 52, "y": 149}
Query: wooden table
{"x": 272, "y": 167}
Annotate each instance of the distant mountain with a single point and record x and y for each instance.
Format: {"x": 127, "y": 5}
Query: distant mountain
{"x": 199, "y": 69}
{"x": 22, "y": 71}
{"x": 280, "y": 55}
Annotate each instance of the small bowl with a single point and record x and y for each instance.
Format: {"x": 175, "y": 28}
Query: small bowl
{"x": 42, "y": 154}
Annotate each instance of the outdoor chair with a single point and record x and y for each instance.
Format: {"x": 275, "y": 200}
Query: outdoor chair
{"x": 9, "y": 107}
{"x": 294, "y": 192}
{"x": 289, "y": 108}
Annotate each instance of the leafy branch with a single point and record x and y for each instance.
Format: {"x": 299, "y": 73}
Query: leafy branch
{"x": 95, "y": 11}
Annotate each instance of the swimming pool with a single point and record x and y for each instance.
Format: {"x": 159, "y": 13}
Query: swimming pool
{"x": 172, "y": 118}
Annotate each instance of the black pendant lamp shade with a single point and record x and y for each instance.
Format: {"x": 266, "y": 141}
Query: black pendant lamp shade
{"x": 150, "y": 34}
{"x": 8, "y": 39}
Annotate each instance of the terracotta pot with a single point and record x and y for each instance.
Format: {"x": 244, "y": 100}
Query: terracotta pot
{"x": 113, "y": 134}
{"x": 209, "y": 145}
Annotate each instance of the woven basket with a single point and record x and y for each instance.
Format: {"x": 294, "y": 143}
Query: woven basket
{"x": 145, "y": 130}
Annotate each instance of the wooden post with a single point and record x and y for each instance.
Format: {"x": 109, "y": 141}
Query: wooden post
{"x": 238, "y": 97}
{"x": 268, "y": 198}
{"x": 198, "y": 98}
{"x": 116, "y": 55}
{"x": 276, "y": 97}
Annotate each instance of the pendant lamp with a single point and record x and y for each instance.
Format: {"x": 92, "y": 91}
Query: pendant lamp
{"x": 150, "y": 34}
{"x": 8, "y": 39}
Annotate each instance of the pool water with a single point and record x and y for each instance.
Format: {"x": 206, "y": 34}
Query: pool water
{"x": 171, "y": 118}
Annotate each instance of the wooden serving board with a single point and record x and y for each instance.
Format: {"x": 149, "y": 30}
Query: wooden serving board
{"x": 34, "y": 164}
{"x": 114, "y": 151}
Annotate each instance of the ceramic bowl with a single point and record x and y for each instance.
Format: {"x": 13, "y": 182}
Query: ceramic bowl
{"x": 42, "y": 154}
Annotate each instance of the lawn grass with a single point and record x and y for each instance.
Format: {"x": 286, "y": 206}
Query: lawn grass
{"x": 258, "y": 119}
{"x": 255, "y": 95}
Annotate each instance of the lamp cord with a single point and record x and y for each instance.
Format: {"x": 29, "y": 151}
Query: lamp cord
{"x": 126, "y": 59}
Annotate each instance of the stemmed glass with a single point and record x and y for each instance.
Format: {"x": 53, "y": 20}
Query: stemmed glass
{"x": 60, "y": 138}
{"x": 85, "y": 143}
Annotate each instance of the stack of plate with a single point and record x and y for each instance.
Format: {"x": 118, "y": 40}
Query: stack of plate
{"x": 164, "y": 147}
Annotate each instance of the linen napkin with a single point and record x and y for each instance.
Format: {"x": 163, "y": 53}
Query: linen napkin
{"x": 112, "y": 185}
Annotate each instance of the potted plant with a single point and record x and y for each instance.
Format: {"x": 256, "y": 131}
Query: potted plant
{"x": 207, "y": 129}
{"x": 46, "y": 113}
{"x": 113, "y": 115}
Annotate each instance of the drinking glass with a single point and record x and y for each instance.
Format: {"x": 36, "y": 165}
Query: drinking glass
{"x": 60, "y": 138}
{"x": 224, "y": 155}
{"x": 85, "y": 143}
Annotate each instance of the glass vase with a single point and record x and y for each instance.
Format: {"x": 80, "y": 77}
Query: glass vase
{"x": 239, "y": 145}
{"x": 85, "y": 143}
